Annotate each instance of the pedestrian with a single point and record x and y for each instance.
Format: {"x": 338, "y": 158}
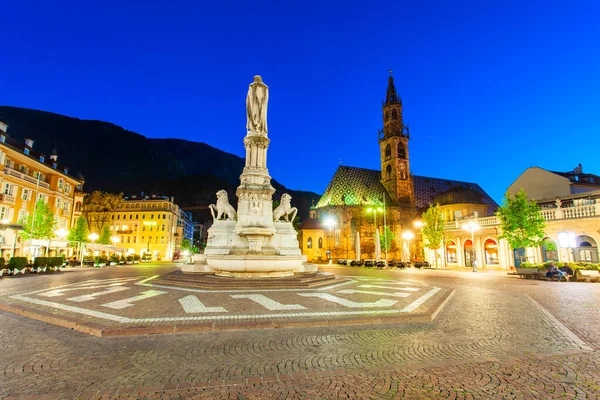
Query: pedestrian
{"x": 552, "y": 270}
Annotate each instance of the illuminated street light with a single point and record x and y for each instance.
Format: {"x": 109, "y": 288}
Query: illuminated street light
{"x": 472, "y": 226}
{"x": 407, "y": 236}
{"x": 329, "y": 223}
{"x": 115, "y": 240}
{"x": 93, "y": 237}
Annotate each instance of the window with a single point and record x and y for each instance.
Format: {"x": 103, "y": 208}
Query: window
{"x": 388, "y": 151}
{"x": 143, "y": 239}
{"x": 67, "y": 188}
{"x": 54, "y": 165}
{"x": 152, "y": 216}
{"x": 8, "y": 190}
{"x": 130, "y": 216}
{"x": 41, "y": 198}
{"x": 135, "y": 239}
{"x": 22, "y": 214}
{"x": 3, "y": 212}
{"x": 388, "y": 172}
{"x": 137, "y": 216}
{"x": 401, "y": 151}
{"x": 25, "y": 194}
{"x": 143, "y": 228}
{"x": 26, "y": 151}
{"x": 320, "y": 242}
{"x": 162, "y": 239}
{"x": 41, "y": 158}
{"x": 2, "y": 138}
{"x": 118, "y": 217}
{"x": 163, "y": 227}
{"x": 57, "y": 203}
{"x": 309, "y": 243}
{"x": 164, "y": 216}
{"x": 60, "y": 183}
{"x": 394, "y": 114}
{"x": 143, "y": 216}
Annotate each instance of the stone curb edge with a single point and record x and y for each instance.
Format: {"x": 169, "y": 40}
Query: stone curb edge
{"x": 101, "y": 330}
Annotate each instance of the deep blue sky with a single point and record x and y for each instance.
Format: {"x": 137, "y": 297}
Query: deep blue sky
{"x": 489, "y": 87}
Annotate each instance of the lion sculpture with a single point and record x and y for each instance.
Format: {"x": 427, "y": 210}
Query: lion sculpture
{"x": 284, "y": 209}
{"x": 223, "y": 208}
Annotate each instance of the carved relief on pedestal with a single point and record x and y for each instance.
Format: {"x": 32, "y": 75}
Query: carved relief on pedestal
{"x": 255, "y": 204}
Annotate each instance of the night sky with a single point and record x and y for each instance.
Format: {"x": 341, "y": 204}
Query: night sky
{"x": 489, "y": 87}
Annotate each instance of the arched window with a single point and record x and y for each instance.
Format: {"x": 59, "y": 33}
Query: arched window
{"x": 309, "y": 243}
{"x": 78, "y": 206}
{"x": 491, "y": 252}
{"x": 451, "y": 251}
{"x": 394, "y": 114}
{"x": 388, "y": 172}
{"x": 320, "y": 242}
{"x": 388, "y": 151}
{"x": 401, "y": 151}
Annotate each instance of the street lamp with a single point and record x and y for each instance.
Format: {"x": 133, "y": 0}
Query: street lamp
{"x": 115, "y": 240}
{"x": 14, "y": 228}
{"x": 150, "y": 224}
{"x": 472, "y": 226}
{"x": 329, "y": 223}
{"x": 375, "y": 210}
{"x": 93, "y": 237}
{"x": 407, "y": 236}
{"x": 61, "y": 233}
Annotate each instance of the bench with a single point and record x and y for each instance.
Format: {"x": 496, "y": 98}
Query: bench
{"x": 587, "y": 275}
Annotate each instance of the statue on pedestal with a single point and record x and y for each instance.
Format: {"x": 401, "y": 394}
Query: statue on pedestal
{"x": 256, "y": 107}
{"x": 284, "y": 209}
{"x": 223, "y": 208}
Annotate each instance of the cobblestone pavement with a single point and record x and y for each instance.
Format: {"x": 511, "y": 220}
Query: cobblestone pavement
{"x": 498, "y": 337}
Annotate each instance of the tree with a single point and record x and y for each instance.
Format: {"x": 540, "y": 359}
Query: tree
{"x": 98, "y": 206}
{"x": 40, "y": 225}
{"x": 104, "y": 237}
{"x": 79, "y": 233}
{"x": 185, "y": 244}
{"x": 521, "y": 221}
{"x": 387, "y": 239}
{"x": 433, "y": 227}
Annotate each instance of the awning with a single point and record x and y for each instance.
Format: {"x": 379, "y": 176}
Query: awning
{"x": 104, "y": 247}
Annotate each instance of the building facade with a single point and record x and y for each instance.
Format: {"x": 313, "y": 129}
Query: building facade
{"x": 151, "y": 226}
{"x": 26, "y": 177}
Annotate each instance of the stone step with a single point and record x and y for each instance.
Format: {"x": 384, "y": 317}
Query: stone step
{"x": 211, "y": 281}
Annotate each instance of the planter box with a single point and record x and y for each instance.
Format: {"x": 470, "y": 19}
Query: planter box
{"x": 528, "y": 273}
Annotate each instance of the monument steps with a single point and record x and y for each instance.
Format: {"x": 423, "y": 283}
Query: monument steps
{"x": 212, "y": 281}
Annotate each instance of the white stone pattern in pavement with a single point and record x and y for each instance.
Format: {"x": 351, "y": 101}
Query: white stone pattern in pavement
{"x": 268, "y": 303}
{"x": 191, "y": 305}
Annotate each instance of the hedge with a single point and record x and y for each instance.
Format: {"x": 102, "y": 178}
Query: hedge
{"x": 17, "y": 262}
{"x": 48, "y": 261}
{"x": 573, "y": 265}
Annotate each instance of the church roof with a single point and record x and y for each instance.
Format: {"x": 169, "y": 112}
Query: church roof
{"x": 360, "y": 186}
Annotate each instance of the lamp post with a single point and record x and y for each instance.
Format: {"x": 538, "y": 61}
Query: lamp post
{"x": 329, "y": 223}
{"x": 114, "y": 240}
{"x": 407, "y": 236}
{"x": 6, "y": 225}
{"x": 150, "y": 224}
{"x": 375, "y": 210}
{"x": 472, "y": 226}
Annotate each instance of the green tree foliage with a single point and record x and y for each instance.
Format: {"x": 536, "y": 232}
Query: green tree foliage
{"x": 39, "y": 225}
{"x": 386, "y": 239}
{"x": 98, "y": 206}
{"x": 79, "y": 233}
{"x": 185, "y": 244}
{"x": 521, "y": 221}
{"x": 104, "y": 237}
{"x": 433, "y": 227}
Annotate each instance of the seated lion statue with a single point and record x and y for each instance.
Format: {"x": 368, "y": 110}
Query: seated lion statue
{"x": 223, "y": 208}
{"x": 284, "y": 209}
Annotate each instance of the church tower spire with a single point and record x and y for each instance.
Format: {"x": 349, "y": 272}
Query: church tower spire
{"x": 393, "y": 145}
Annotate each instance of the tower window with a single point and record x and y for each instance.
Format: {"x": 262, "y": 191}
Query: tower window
{"x": 394, "y": 114}
{"x": 388, "y": 151}
{"x": 388, "y": 172}
{"x": 309, "y": 243}
{"x": 401, "y": 151}
{"x": 320, "y": 242}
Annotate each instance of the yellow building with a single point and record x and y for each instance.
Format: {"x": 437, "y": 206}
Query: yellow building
{"x": 313, "y": 238}
{"x": 150, "y": 225}
{"x": 28, "y": 176}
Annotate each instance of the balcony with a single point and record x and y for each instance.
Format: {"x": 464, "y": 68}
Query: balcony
{"x": 8, "y": 199}
{"x": 553, "y": 214}
{"x": 25, "y": 177}
{"x": 125, "y": 231}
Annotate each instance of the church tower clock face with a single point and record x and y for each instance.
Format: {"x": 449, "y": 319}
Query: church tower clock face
{"x": 393, "y": 143}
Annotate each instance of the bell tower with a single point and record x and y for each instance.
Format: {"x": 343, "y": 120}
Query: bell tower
{"x": 393, "y": 147}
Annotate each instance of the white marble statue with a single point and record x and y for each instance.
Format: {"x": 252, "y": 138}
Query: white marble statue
{"x": 284, "y": 209}
{"x": 256, "y": 107}
{"x": 223, "y": 208}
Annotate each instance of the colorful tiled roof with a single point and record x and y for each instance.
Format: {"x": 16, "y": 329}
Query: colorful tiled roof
{"x": 360, "y": 186}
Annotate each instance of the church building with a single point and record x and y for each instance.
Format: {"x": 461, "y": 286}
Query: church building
{"x": 358, "y": 201}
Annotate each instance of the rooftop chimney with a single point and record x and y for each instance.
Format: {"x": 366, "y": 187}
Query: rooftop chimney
{"x": 578, "y": 169}
{"x": 29, "y": 142}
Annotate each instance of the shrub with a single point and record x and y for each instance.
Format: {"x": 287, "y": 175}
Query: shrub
{"x": 17, "y": 262}
{"x": 129, "y": 258}
{"x": 101, "y": 260}
{"x": 136, "y": 257}
{"x": 114, "y": 258}
{"x": 2, "y": 262}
